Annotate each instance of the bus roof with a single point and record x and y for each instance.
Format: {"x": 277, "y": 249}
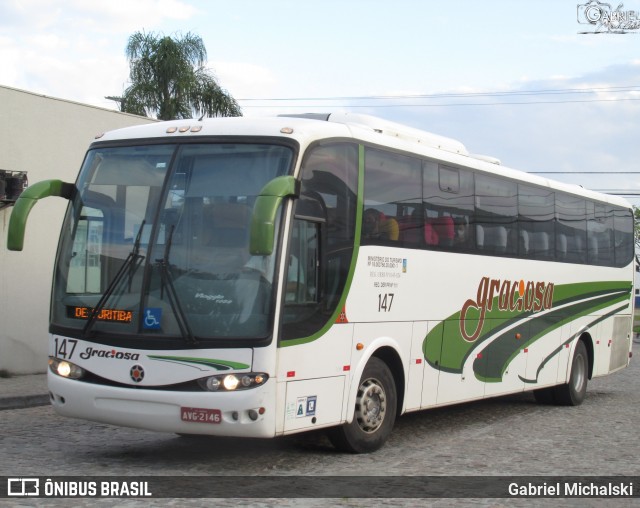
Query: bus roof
{"x": 306, "y": 128}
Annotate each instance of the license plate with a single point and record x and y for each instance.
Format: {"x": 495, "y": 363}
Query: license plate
{"x": 200, "y": 415}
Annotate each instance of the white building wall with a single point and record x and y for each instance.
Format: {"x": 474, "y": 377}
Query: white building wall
{"x": 47, "y": 138}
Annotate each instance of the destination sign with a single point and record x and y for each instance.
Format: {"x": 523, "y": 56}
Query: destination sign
{"x": 112, "y": 315}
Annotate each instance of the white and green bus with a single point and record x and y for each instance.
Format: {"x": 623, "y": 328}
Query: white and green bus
{"x": 263, "y": 277}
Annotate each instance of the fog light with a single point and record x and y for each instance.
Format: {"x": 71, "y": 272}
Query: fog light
{"x": 253, "y": 414}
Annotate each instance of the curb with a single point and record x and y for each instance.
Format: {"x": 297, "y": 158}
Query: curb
{"x": 23, "y": 402}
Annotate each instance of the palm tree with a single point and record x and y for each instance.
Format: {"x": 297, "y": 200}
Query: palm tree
{"x": 169, "y": 79}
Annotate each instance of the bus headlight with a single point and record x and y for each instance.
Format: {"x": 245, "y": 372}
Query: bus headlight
{"x": 233, "y": 382}
{"x": 63, "y": 368}
{"x": 230, "y": 382}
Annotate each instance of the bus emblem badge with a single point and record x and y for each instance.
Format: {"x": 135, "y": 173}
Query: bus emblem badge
{"x": 137, "y": 373}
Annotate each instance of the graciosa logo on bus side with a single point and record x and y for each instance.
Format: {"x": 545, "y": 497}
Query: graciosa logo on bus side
{"x": 510, "y": 296}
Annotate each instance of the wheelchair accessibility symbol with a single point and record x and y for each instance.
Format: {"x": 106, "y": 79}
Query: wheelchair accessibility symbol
{"x": 152, "y": 317}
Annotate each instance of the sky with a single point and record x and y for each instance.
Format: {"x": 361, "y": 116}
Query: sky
{"x": 514, "y": 79}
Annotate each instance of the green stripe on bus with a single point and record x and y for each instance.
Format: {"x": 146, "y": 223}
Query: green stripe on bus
{"x": 497, "y": 356}
{"x": 568, "y": 341}
{"x": 209, "y": 362}
{"x": 457, "y": 350}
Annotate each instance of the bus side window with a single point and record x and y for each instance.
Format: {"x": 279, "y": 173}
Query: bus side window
{"x": 392, "y": 184}
{"x": 496, "y": 215}
{"x": 448, "y": 196}
{"x": 329, "y": 181}
{"x": 302, "y": 268}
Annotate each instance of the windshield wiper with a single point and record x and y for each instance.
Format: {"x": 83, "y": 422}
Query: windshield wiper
{"x": 131, "y": 263}
{"x": 166, "y": 280}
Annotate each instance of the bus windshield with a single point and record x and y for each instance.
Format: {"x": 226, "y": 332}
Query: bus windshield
{"x": 156, "y": 243}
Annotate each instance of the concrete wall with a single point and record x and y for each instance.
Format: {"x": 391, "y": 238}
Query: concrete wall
{"x": 47, "y": 138}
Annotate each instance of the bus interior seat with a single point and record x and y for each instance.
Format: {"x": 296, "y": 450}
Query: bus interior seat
{"x": 561, "y": 246}
{"x": 479, "y": 237}
{"x": 500, "y": 239}
{"x": 444, "y": 228}
{"x": 430, "y": 235}
{"x": 524, "y": 242}
{"x": 541, "y": 243}
{"x": 491, "y": 238}
{"x": 389, "y": 227}
{"x": 577, "y": 253}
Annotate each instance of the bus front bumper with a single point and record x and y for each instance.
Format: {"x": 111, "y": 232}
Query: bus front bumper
{"x": 244, "y": 413}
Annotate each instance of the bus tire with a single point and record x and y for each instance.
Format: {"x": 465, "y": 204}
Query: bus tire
{"x": 375, "y": 411}
{"x": 573, "y": 392}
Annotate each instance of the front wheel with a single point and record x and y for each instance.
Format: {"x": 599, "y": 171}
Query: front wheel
{"x": 573, "y": 392}
{"x": 375, "y": 412}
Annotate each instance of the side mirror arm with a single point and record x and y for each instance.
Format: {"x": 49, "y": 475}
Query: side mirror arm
{"x": 26, "y": 201}
{"x": 264, "y": 213}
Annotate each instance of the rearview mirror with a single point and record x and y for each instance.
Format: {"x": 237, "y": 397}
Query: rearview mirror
{"x": 26, "y": 201}
{"x": 264, "y": 213}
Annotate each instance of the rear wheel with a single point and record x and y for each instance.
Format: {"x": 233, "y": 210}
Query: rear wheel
{"x": 573, "y": 392}
{"x": 375, "y": 412}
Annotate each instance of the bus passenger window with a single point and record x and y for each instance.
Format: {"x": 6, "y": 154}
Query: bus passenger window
{"x": 392, "y": 186}
{"x": 448, "y": 195}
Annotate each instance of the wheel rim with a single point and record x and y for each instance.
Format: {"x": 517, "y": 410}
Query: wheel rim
{"x": 371, "y": 405}
{"x": 579, "y": 373}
